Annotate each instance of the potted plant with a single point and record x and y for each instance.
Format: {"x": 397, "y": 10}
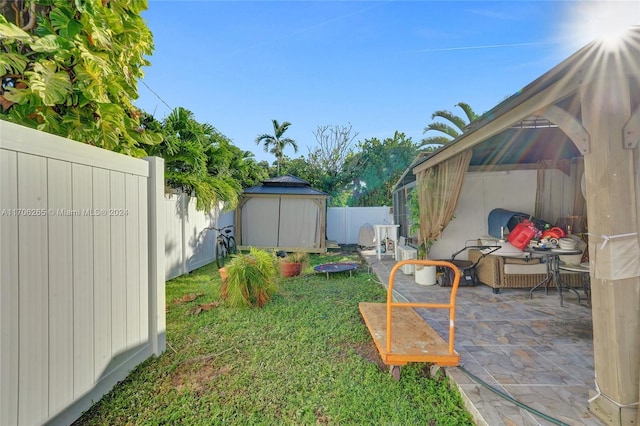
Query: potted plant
{"x": 224, "y": 275}
{"x": 251, "y": 279}
{"x": 292, "y": 264}
{"x": 424, "y": 275}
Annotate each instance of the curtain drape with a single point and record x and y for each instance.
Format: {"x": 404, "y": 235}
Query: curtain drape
{"x": 540, "y": 204}
{"x": 553, "y": 197}
{"x": 579, "y": 203}
{"x": 438, "y": 190}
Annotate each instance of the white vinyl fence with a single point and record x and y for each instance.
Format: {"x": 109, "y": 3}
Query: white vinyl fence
{"x": 81, "y": 273}
{"x": 188, "y": 244}
{"x": 343, "y": 223}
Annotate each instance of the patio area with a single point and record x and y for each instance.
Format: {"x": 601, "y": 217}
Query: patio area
{"x": 531, "y": 350}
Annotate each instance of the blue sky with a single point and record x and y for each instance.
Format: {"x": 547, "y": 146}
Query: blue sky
{"x": 381, "y": 66}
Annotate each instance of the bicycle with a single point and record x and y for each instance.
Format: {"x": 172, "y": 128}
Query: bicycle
{"x": 225, "y": 244}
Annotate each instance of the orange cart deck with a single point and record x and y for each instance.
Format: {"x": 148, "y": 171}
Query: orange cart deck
{"x": 401, "y": 335}
{"x": 413, "y": 340}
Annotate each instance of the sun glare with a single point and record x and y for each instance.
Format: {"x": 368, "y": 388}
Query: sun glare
{"x": 603, "y": 21}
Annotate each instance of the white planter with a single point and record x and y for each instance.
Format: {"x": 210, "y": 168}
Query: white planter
{"x": 425, "y": 275}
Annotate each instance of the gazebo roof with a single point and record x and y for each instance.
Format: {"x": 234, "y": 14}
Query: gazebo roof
{"x": 287, "y": 184}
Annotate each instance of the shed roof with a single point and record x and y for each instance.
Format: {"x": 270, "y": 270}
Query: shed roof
{"x": 287, "y": 184}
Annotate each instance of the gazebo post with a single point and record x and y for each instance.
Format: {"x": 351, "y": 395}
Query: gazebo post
{"x": 612, "y": 194}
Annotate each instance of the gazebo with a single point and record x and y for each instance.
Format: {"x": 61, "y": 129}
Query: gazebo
{"x": 587, "y": 108}
{"x": 283, "y": 213}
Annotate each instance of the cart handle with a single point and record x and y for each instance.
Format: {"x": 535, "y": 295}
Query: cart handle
{"x": 451, "y": 305}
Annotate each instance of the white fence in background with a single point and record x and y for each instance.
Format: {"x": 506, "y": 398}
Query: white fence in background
{"x": 82, "y": 297}
{"x": 343, "y": 223}
{"x": 188, "y": 245}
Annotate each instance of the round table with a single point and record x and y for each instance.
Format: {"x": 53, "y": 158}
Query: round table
{"x": 330, "y": 268}
{"x": 553, "y": 269}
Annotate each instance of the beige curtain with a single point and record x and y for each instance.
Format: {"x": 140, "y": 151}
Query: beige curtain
{"x": 550, "y": 192}
{"x": 540, "y": 205}
{"x": 579, "y": 203}
{"x": 438, "y": 191}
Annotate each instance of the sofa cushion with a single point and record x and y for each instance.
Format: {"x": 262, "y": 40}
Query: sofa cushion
{"x": 527, "y": 268}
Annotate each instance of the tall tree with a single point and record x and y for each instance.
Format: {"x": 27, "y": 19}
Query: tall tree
{"x": 275, "y": 143}
{"x": 334, "y": 146}
{"x": 227, "y": 159}
{"x": 71, "y": 68}
{"x": 380, "y": 165}
{"x": 452, "y": 129}
{"x": 304, "y": 169}
{"x": 332, "y": 160}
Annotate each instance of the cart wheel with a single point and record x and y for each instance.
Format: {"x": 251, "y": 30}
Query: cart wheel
{"x": 395, "y": 372}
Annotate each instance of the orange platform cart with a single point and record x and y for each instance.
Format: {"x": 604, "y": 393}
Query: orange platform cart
{"x": 402, "y": 335}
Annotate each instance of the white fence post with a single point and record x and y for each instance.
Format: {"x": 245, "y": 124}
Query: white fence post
{"x": 157, "y": 318}
{"x": 184, "y": 212}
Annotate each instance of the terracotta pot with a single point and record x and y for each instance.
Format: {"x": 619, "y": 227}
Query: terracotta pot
{"x": 224, "y": 275}
{"x": 289, "y": 269}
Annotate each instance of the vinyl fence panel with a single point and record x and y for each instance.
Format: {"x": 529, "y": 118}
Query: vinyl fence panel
{"x": 343, "y": 223}
{"x": 83, "y": 272}
{"x": 81, "y": 301}
{"x": 9, "y": 291}
{"x": 33, "y": 266}
{"x": 60, "y": 252}
{"x": 188, "y": 243}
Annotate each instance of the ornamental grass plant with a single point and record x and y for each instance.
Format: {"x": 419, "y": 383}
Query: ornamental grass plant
{"x": 305, "y": 358}
{"x": 251, "y": 278}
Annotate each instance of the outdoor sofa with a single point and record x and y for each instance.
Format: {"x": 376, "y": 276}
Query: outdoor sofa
{"x": 499, "y": 272}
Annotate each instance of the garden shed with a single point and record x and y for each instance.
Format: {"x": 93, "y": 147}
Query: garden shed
{"x": 568, "y": 138}
{"x": 283, "y": 213}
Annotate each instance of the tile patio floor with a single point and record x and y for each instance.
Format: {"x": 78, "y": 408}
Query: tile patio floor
{"x": 533, "y": 350}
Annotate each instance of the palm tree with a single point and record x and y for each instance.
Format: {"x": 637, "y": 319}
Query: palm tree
{"x": 450, "y": 131}
{"x": 194, "y": 159}
{"x": 275, "y": 143}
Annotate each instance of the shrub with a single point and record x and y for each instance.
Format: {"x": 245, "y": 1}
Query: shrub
{"x": 251, "y": 278}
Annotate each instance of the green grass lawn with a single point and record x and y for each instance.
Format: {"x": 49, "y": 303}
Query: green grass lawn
{"x": 305, "y": 358}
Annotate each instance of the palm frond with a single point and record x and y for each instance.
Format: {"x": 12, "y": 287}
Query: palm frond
{"x": 266, "y": 140}
{"x": 434, "y": 140}
{"x": 288, "y": 141}
{"x": 471, "y": 114}
{"x": 443, "y": 128}
{"x": 449, "y": 116}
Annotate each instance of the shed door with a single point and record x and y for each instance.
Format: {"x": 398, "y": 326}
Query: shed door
{"x": 299, "y": 223}
{"x": 260, "y": 218}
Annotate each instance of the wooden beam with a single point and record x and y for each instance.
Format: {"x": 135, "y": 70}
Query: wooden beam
{"x": 631, "y": 130}
{"x": 569, "y": 124}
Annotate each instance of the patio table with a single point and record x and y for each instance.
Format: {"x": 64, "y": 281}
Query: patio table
{"x": 553, "y": 269}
